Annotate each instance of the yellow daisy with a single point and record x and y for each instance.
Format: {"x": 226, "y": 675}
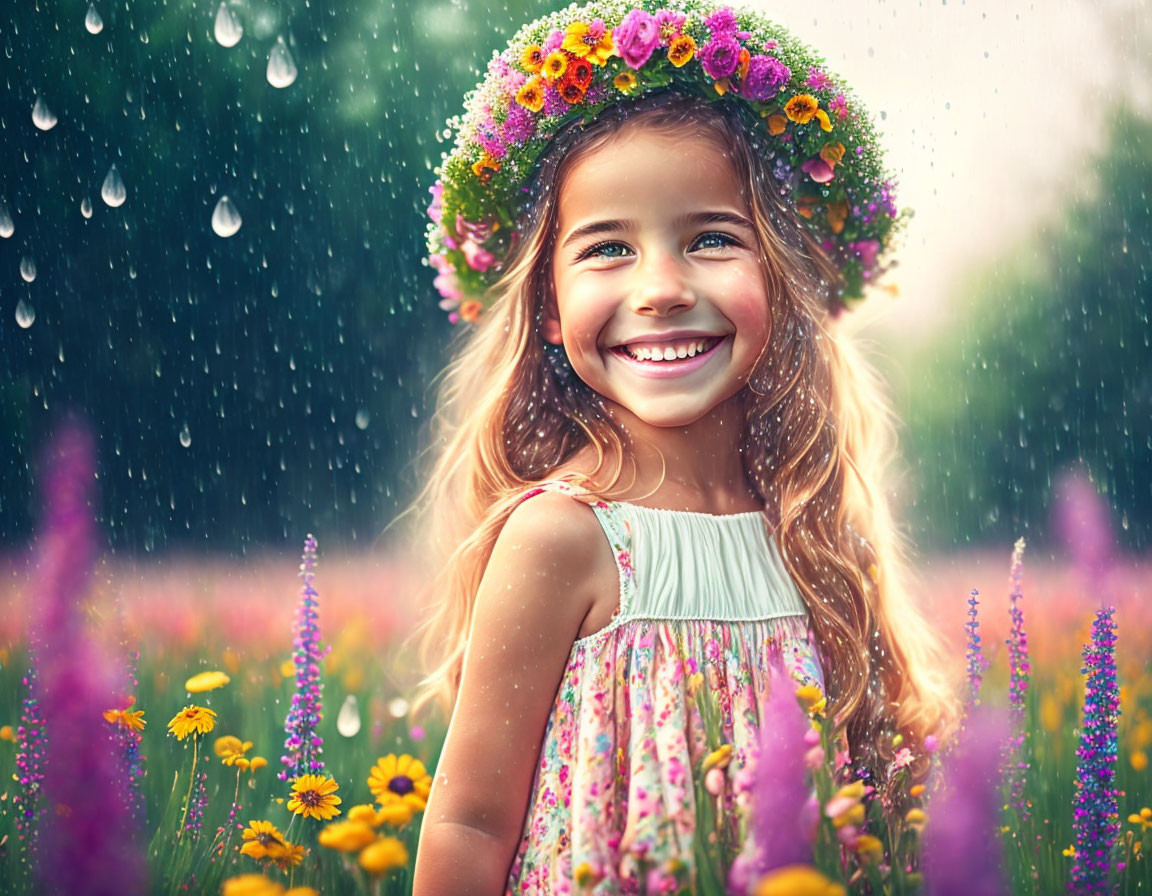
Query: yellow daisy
{"x": 126, "y": 718}
{"x": 531, "y": 95}
{"x": 400, "y": 779}
{"x": 625, "y": 82}
{"x": 251, "y": 885}
{"x": 258, "y": 837}
{"x": 532, "y": 59}
{"x": 585, "y": 43}
{"x": 231, "y": 750}
{"x": 796, "y": 880}
{"x": 681, "y": 50}
{"x": 287, "y": 856}
{"x": 554, "y": 65}
{"x": 192, "y": 720}
{"x": 801, "y": 108}
{"x": 384, "y": 855}
{"x": 314, "y": 796}
{"x": 347, "y": 836}
{"x": 206, "y": 681}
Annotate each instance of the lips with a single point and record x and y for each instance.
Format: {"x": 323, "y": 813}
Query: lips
{"x": 677, "y": 367}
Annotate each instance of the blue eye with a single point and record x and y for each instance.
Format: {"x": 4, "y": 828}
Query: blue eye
{"x": 601, "y": 250}
{"x": 717, "y": 239}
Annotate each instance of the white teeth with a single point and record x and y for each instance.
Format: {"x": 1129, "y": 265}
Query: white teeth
{"x": 666, "y": 353}
{"x": 669, "y": 353}
{"x": 682, "y": 352}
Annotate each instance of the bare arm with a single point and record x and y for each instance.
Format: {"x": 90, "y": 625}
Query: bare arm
{"x": 531, "y": 602}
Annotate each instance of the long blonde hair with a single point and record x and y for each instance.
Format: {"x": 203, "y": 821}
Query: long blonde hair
{"x": 817, "y": 439}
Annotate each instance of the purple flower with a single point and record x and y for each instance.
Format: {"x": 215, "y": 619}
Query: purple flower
{"x": 974, "y": 654}
{"x": 88, "y": 842}
{"x": 554, "y": 104}
{"x": 781, "y": 819}
{"x": 1095, "y": 813}
{"x": 817, "y": 79}
{"x": 636, "y": 37}
{"x": 519, "y": 126}
{"x": 720, "y": 56}
{"x": 839, "y": 105}
{"x": 490, "y": 138}
{"x": 30, "y": 748}
{"x": 821, "y": 172}
{"x": 1015, "y": 762}
{"x": 961, "y": 853}
{"x": 766, "y": 75}
{"x": 303, "y": 748}
{"x": 723, "y": 23}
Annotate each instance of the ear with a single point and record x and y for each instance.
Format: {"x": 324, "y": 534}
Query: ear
{"x": 550, "y": 322}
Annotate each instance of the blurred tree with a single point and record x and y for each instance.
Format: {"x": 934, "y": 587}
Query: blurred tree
{"x": 1053, "y": 369}
{"x": 248, "y": 388}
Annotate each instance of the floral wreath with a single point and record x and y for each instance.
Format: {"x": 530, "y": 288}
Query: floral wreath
{"x": 574, "y": 63}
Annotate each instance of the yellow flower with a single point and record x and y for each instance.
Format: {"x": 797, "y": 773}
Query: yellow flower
{"x": 718, "y": 758}
{"x": 206, "y": 681}
{"x": 231, "y": 750}
{"x": 681, "y": 50}
{"x": 832, "y": 153}
{"x": 837, "y": 214}
{"x": 301, "y": 891}
{"x": 532, "y": 59}
{"x": 722, "y": 86}
{"x": 257, "y": 762}
{"x": 384, "y": 855}
{"x": 6, "y": 732}
{"x": 133, "y": 720}
{"x": 777, "y": 124}
{"x": 485, "y": 167}
{"x": 347, "y": 836}
{"x": 916, "y": 790}
{"x": 915, "y": 818}
{"x": 287, "y": 856}
{"x": 400, "y": 779}
{"x": 395, "y": 814}
{"x": 796, "y": 880}
{"x": 192, "y": 720}
{"x": 801, "y": 108}
{"x": 258, "y": 837}
{"x": 314, "y": 796}
{"x": 625, "y": 82}
{"x": 1144, "y": 819}
{"x": 363, "y": 813}
{"x": 870, "y": 847}
{"x": 1069, "y": 851}
{"x": 822, "y": 117}
{"x": 812, "y": 699}
{"x": 1138, "y": 759}
{"x": 580, "y": 43}
{"x": 554, "y": 65}
{"x": 531, "y": 95}
{"x": 251, "y": 885}
{"x": 585, "y": 875}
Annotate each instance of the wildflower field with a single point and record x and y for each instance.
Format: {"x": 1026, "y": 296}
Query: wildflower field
{"x": 208, "y": 726}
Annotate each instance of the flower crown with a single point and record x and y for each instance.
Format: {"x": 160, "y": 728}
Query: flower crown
{"x": 572, "y": 64}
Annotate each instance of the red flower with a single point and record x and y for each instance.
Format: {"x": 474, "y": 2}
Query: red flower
{"x": 580, "y": 72}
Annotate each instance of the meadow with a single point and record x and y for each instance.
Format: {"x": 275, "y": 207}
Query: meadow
{"x": 242, "y": 639}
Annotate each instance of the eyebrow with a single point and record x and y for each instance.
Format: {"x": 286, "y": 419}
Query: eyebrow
{"x": 597, "y": 227}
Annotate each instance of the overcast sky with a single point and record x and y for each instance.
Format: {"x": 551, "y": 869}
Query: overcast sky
{"x": 990, "y": 109}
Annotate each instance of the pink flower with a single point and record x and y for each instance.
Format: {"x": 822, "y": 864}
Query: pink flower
{"x": 670, "y": 24}
{"x": 817, "y": 169}
{"x": 714, "y": 781}
{"x": 477, "y": 257}
{"x": 436, "y": 209}
{"x": 817, "y": 79}
{"x": 554, "y": 42}
{"x": 636, "y": 37}
{"x": 903, "y": 758}
{"x": 839, "y": 105}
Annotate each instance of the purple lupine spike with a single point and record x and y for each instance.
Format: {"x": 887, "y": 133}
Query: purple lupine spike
{"x": 88, "y": 841}
{"x": 197, "y": 804}
{"x": 1015, "y": 759}
{"x": 30, "y": 747}
{"x": 961, "y": 855}
{"x": 975, "y": 653}
{"x": 1095, "y": 813}
{"x": 303, "y": 748}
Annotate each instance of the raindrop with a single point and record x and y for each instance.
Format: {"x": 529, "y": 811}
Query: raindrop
{"x": 7, "y": 228}
{"x": 348, "y": 721}
{"x": 185, "y": 436}
{"x": 228, "y": 28}
{"x": 92, "y": 21}
{"x": 27, "y": 269}
{"x": 362, "y": 418}
{"x": 225, "y": 218}
{"x": 281, "y": 66}
{"x": 42, "y": 116}
{"x": 25, "y": 314}
{"x": 398, "y": 708}
{"x": 113, "y": 192}
{"x": 86, "y": 207}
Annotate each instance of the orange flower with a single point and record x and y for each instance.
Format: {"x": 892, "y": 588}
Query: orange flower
{"x": 801, "y": 108}
{"x": 837, "y": 215}
{"x": 832, "y": 153}
{"x": 745, "y": 61}
{"x": 579, "y": 42}
{"x": 722, "y": 86}
{"x": 571, "y": 91}
{"x": 554, "y": 65}
{"x": 822, "y": 117}
{"x": 532, "y": 59}
{"x": 485, "y": 168}
{"x": 470, "y": 310}
{"x": 531, "y": 95}
{"x": 128, "y": 718}
{"x": 777, "y": 124}
{"x": 681, "y": 50}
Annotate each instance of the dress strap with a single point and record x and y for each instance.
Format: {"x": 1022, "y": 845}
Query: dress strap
{"x": 615, "y": 527}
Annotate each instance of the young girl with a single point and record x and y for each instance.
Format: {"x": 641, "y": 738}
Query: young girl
{"x": 658, "y": 468}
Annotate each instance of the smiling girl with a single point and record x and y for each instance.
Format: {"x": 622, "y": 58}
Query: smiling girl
{"x": 657, "y": 464}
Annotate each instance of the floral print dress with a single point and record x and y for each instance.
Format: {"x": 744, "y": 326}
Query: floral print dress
{"x": 705, "y": 602}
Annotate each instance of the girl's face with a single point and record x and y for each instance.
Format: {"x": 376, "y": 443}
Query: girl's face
{"x": 660, "y": 300}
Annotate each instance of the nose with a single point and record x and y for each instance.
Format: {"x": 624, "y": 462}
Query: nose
{"x": 662, "y": 287}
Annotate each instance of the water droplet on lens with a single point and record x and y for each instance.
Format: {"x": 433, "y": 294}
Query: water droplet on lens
{"x": 225, "y": 218}
{"x": 281, "y": 66}
{"x": 113, "y": 191}
{"x": 228, "y": 29}
{"x": 362, "y": 419}
{"x": 7, "y": 228}
{"x": 25, "y": 314}
{"x": 348, "y": 721}
{"x": 92, "y": 21}
{"x": 27, "y": 269}
{"x": 398, "y": 708}
{"x": 185, "y": 436}
{"x": 42, "y": 116}
{"x": 86, "y": 207}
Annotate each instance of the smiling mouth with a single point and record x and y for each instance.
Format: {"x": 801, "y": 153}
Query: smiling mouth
{"x": 657, "y": 353}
